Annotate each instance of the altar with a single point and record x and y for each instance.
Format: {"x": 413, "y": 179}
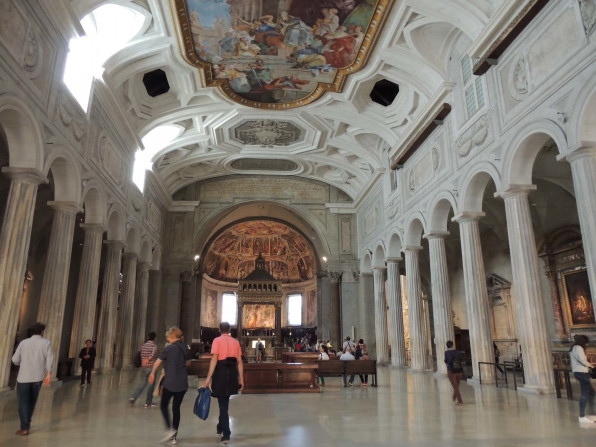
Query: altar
{"x": 259, "y": 304}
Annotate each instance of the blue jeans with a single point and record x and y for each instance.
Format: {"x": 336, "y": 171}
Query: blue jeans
{"x": 223, "y": 425}
{"x": 351, "y": 379}
{"x": 150, "y": 387}
{"x": 587, "y": 392}
{"x": 27, "y": 393}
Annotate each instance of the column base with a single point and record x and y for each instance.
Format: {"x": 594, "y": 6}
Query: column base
{"x": 404, "y": 366}
{"x": 109, "y": 370}
{"x": 536, "y": 389}
{"x": 475, "y": 381}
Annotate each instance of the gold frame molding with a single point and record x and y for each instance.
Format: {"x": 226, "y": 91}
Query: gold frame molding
{"x": 571, "y": 325}
{"x": 186, "y": 44}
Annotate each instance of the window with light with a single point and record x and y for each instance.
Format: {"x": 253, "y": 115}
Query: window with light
{"x": 472, "y": 87}
{"x": 295, "y": 310}
{"x": 229, "y": 308}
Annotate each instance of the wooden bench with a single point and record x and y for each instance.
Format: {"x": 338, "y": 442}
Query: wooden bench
{"x": 335, "y": 368}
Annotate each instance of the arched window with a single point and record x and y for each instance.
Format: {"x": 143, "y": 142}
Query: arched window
{"x": 229, "y": 308}
{"x": 295, "y": 310}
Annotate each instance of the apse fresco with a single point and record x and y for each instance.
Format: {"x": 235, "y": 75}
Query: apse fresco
{"x": 288, "y": 256}
{"x": 278, "y": 53}
{"x": 258, "y": 316}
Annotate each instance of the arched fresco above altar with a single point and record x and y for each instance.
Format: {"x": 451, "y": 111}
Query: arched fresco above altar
{"x": 278, "y": 54}
{"x": 288, "y": 255}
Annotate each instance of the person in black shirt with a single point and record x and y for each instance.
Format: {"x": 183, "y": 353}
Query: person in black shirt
{"x": 453, "y": 359}
{"x": 87, "y": 356}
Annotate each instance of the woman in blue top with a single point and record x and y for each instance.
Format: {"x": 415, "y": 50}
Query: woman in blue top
{"x": 175, "y": 384}
{"x": 453, "y": 359}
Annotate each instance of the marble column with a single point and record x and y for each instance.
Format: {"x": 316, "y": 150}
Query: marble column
{"x": 154, "y": 317}
{"x": 441, "y": 296}
{"x": 15, "y": 236}
{"x": 124, "y": 332}
{"x": 529, "y": 302}
{"x": 367, "y": 314}
{"x": 583, "y": 171}
{"x": 106, "y": 327}
{"x": 239, "y": 326}
{"x": 335, "y": 308}
{"x": 396, "y": 335}
{"x": 418, "y": 339}
{"x": 55, "y": 277}
{"x": 381, "y": 337}
{"x": 477, "y": 305}
{"x": 86, "y": 300}
{"x": 187, "y": 303}
{"x": 278, "y": 340}
{"x": 140, "y": 308}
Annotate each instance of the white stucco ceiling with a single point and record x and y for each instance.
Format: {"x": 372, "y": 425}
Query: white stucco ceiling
{"x": 344, "y": 133}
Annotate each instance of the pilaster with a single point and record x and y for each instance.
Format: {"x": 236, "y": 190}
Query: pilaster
{"x": 125, "y": 315}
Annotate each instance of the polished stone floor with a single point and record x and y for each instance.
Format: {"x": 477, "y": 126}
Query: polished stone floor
{"x": 407, "y": 409}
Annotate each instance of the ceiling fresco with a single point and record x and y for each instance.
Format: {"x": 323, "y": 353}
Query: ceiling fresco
{"x": 278, "y": 54}
{"x": 288, "y": 255}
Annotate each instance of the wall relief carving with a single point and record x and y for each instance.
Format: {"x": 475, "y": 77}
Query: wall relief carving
{"x": 424, "y": 169}
{"x": 588, "y": 9}
{"x": 31, "y": 54}
{"x": 110, "y": 161}
{"x": 475, "y": 137}
{"x": 154, "y": 216}
{"x": 68, "y": 118}
{"x": 518, "y": 79}
{"x": 371, "y": 220}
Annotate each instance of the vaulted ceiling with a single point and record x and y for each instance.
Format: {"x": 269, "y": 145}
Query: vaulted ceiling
{"x": 339, "y": 138}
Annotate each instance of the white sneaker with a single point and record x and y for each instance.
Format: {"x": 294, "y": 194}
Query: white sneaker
{"x": 170, "y": 434}
{"x": 585, "y": 420}
{"x": 174, "y": 441}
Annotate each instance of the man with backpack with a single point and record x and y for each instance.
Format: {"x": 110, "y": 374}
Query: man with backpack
{"x": 453, "y": 359}
{"x": 148, "y": 354}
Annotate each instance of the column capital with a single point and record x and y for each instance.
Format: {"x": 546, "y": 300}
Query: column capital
{"x": 144, "y": 265}
{"x": 413, "y": 248}
{"x": 468, "y": 216}
{"x": 583, "y": 152}
{"x": 92, "y": 228}
{"x": 27, "y": 175}
{"x": 437, "y": 235}
{"x": 130, "y": 255}
{"x": 186, "y": 276}
{"x": 516, "y": 190}
{"x": 334, "y": 276}
{"x": 398, "y": 259}
{"x": 117, "y": 245}
{"x": 65, "y": 207}
{"x": 378, "y": 267}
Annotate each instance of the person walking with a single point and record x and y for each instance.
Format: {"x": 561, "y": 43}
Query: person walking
{"x": 227, "y": 371}
{"x": 175, "y": 384}
{"x": 581, "y": 371}
{"x": 148, "y": 355}
{"x": 87, "y": 356}
{"x": 35, "y": 357}
{"x": 453, "y": 359}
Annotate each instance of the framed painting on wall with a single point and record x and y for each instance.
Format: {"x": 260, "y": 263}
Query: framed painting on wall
{"x": 578, "y": 301}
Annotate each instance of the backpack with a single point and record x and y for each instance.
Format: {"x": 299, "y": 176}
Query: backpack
{"x": 457, "y": 365}
{"x": 358, "y": 352}
{"x": 137, "y": 361}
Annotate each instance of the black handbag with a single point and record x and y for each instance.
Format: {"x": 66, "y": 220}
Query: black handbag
{"x": 593, "y": 373}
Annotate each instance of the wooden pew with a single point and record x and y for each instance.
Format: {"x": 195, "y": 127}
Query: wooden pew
{"x": 335, "y": 368}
